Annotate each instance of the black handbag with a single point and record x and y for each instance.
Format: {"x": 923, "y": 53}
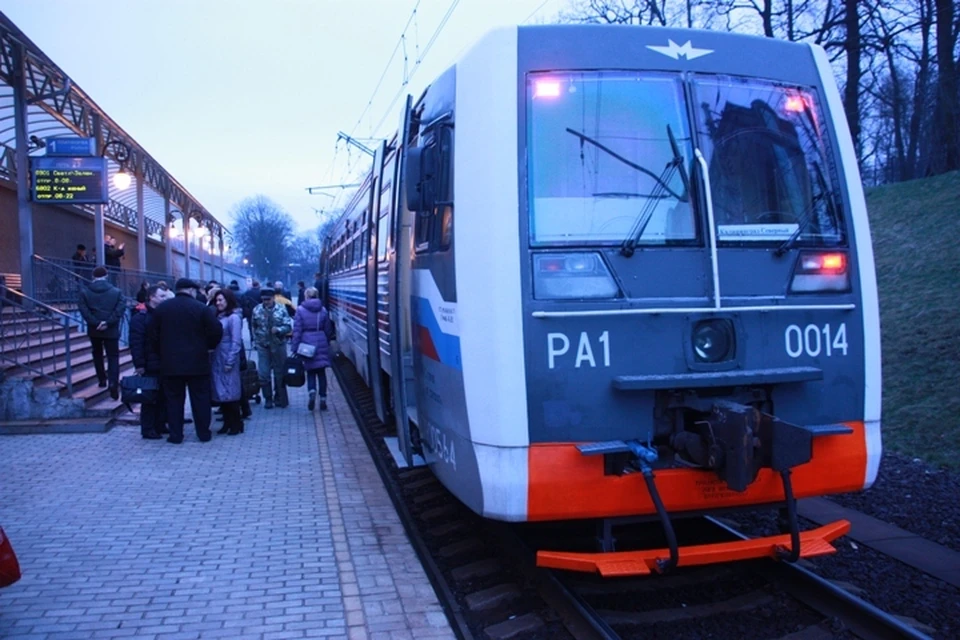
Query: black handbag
{"x": 293, "y": 373}
{"x": 139, "y": 390}
{"x": 250, "y": 381}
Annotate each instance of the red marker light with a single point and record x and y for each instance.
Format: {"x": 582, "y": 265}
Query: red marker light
{"x": 551, "y": 264}
{"x": 820, "y": 272}
{"x": 824, "y": 263}
{"x": 833, "y": 262}
{"x": 795, "y": 104}
{"x": 546, "y": 89}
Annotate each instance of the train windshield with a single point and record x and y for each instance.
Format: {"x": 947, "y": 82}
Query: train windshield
{"x": 602, "y": 160}
{"x": 609, "y": 152}
{"x": 770, "y": 170}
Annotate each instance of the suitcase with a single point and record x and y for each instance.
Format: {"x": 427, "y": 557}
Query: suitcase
{"x": 250, "y": 381}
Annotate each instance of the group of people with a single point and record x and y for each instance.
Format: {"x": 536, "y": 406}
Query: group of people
{"x": 112, "y": 254}
{"x": 191, "y": 340}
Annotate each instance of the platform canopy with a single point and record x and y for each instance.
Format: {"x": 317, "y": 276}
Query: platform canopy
{"x": 57, "y": 107}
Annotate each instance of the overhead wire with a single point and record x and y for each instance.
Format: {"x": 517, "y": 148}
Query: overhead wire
{"x": 536, "y": 11}
{"x": 386, "y": 68}
{"x": 401, "y": 45}
{"x": 408, "y": 74}
{"x": 416, "y": 64}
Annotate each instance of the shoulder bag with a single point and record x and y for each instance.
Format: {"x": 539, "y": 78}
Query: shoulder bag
{"x": 308, "y": 350}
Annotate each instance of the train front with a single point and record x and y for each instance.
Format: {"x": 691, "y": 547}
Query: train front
{"x": 700, "y": 319}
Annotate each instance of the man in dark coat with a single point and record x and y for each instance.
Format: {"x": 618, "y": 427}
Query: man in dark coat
{"x": 81, "y": 265}
{"x": 249, "y": 300}
{"x": 183, "y": 333}
{"x": 153, "y": 415}
{"x": 301, "y": 290}
{"x": 111, "y": 252}
{"x": 102, "y": 307}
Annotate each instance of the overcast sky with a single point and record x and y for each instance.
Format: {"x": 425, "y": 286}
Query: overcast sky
{"x": 240, "y": 97}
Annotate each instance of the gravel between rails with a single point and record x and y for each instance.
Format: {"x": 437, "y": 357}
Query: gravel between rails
{"x": 897, "y": 588}
{"x": 913, "y": 496}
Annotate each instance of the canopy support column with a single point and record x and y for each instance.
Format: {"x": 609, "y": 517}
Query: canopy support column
{"x": 165, "y": 236}
{"x": 141, "y": 218}
{"x": 24, "y": 206}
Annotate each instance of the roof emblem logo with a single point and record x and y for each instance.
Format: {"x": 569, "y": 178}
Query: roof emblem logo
{"x": 675, "y": 51}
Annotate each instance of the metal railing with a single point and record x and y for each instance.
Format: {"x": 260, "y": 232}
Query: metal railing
{"x": 58, "y": 281}
{"x": 30, "y": 337}
{"x": 39, "y": 338}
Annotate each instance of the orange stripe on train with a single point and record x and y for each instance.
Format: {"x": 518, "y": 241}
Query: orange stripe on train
{"x": 564, "y": 484}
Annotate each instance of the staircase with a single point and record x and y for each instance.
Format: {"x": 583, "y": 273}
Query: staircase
{"x": 47, "y": 346}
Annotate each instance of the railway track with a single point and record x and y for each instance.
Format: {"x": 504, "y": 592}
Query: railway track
{"x": 485, "y": 576}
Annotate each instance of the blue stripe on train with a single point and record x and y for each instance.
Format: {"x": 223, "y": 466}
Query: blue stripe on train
{"x": 446, "y": 346}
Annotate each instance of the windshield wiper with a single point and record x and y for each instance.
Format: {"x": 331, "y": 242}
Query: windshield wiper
{"x": 631, "y": 164}
{"x": 810, "y": 214}
{"x": 646, "y": 214}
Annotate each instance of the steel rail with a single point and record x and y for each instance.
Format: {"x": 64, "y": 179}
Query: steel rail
{"x": 863, "y": 618}
{"x": 578, "y": 616}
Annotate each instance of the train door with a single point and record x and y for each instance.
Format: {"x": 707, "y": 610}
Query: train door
{"x": 401, "y": 344}
{"x": 375, "y": 380}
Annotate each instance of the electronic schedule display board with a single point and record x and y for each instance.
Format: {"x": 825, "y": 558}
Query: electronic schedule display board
{"x": 70, "y": 180}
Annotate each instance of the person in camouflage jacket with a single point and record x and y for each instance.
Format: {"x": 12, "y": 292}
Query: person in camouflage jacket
{"x": 271, "y": 328}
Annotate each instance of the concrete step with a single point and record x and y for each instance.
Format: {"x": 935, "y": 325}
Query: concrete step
{"x": 14, "y": 332}
{"x": 108, "y": 407}
{"x": 46, "y": 355}
{"x": 85, "y": 378}
{"x": 81, "y": 362}
{"x": 94, "y": 396}
{"x": 70, "y": 425}
{"x": 28, "y": 345}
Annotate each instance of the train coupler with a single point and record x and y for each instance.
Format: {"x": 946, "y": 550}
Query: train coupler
{"x": 736, "y": 441}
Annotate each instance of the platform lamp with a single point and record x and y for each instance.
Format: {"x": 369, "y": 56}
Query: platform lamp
{"x": 121, "y": 179}
{"x": 195, "y": 214}
{"x": 171, "y": 233}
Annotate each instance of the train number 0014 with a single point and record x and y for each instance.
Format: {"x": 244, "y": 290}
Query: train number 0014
{"x": 814, "y": 340}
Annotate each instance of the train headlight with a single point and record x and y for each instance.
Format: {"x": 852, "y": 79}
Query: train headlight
{"x": 714, "y": 340}
{"x": 570, "y": 276}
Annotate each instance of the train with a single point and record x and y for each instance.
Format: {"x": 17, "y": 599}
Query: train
{"x": 613, "y": 273}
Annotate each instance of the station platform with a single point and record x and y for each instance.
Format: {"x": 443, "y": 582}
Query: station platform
{"x": 284, "y": 531}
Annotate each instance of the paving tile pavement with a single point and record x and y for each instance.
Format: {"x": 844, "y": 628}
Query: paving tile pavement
{"x": 386, "y": 592}
{"x": 268, "y": 534}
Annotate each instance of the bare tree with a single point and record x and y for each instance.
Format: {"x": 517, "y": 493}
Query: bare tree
{"x": 649, "y": 12}
{"x": 921, "y": 89}
{"x": 263, "y": 232}
{"x": 948, "y": 112}
{"x": 304, "y": 257}
{"x": 900, "y": 98}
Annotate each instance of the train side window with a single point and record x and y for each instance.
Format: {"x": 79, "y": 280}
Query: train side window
{"x": 434, "y": 226}
{"x": 383, "y": 231}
